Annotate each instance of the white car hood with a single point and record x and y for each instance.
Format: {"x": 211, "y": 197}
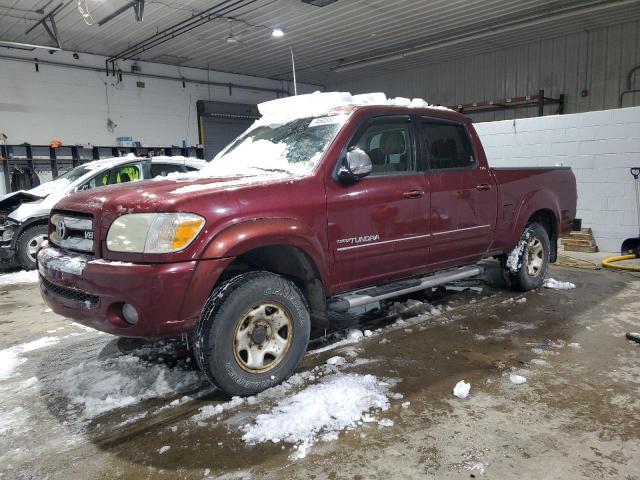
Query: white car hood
{"x": 37, "y": 208}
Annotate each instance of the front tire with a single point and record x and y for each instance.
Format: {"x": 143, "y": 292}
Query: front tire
{"x": 252, "y": 333}
{"x": 525, "y": 268}
{"x": 28, "y": 244}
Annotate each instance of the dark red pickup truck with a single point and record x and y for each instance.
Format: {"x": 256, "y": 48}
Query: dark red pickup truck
{"x": 311, "y": 210}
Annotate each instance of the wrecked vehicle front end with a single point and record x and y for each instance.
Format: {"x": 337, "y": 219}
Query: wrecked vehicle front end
{"x": 10, "y": 228}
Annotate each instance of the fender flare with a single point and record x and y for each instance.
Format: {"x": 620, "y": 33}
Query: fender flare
{"x": 248, "y": 235}
{"x": 531, "y": 203}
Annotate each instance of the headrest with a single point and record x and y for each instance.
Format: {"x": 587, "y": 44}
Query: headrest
{"x": 393, "y": 142}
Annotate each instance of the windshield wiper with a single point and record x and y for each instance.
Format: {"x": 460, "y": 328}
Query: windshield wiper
{"x": 279, "y": 170}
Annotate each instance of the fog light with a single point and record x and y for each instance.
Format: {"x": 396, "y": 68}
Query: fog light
{"x": 130, "y": 314}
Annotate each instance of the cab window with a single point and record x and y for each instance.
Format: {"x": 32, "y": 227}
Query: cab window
{"x": 447, "y": 146}
{"x": 388, "y": 142}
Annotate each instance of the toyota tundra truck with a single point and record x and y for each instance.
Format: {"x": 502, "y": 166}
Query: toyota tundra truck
{"x": 328, "y": 202}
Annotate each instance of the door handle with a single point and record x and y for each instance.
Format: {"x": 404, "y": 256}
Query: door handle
{"x": 413, "y": 194}
{"x": 483, "y": 187}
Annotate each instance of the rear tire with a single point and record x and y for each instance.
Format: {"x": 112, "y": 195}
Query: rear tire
{"x": 526, "y": 266}
{"x": 28, "y": 244}
{"x": 252, "y": 333}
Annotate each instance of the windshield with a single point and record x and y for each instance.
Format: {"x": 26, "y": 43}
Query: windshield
{"x": 293, "y": 147}
{"x": 76, "y": 173}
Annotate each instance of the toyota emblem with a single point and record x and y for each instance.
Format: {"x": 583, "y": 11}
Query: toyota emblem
{"x": 61, "y": 229}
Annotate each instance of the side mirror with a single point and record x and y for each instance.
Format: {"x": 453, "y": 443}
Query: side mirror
{"x": 82, "y": 188}
{"x": 357, "y": 165}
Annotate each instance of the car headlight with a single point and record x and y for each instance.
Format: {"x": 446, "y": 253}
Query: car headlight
{"x": 153, "y": 232}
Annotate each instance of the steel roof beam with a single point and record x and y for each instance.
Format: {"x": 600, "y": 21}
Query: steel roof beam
{"x": 51, "y": 28}
{"x": 224, "y": 8}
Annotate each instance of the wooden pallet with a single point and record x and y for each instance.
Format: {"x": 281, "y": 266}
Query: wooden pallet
{"x": 580, "y": 241}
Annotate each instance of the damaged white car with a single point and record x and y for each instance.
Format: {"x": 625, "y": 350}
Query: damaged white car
{"x": 24, "y": 215}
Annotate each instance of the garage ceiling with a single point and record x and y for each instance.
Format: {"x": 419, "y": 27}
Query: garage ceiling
{"x": 358, "y": 38}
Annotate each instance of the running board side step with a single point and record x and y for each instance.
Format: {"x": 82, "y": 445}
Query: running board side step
{"x": 342, "y": 303}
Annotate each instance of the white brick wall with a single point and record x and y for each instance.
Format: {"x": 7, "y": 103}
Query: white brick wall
{"x": 71, "y": 104}
{"x": 599, "y": 146}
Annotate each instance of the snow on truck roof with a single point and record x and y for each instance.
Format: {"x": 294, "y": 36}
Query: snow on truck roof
{"x": 321, "y": 103}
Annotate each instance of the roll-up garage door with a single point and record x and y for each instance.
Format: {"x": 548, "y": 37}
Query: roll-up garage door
{"x": 221, "y": 123}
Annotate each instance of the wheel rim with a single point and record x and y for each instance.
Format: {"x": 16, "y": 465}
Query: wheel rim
{"x": 263, "y": 337}
{"x": 34, "y": 245}
{"x": 535, "y": 256}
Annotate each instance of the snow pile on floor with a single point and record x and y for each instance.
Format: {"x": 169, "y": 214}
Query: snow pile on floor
{"x": 517, "y": 379}
{"x": 209, "y": 411}
{"x": 11, "y": 357}
{"x": 13, "y": 421}
{"x": 320, "y": 411}
{"x": 99, "y": 386}
{"x": 558, "y": 285}
{"x": 19, "y": 277}
{"x": 462, "y": 388}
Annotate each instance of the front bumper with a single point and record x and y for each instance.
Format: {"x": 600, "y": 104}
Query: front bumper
{"x": 168, "y": 297}
{"x": 8, "y": 241}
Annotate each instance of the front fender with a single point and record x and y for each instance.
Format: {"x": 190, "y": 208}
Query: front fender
{"x": 248, "y": 235}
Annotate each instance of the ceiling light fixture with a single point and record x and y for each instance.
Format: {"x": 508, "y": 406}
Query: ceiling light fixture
{"x": 319, "y": 3}
{"x": 277, "y": 32}
{"x": 27, "y": 46}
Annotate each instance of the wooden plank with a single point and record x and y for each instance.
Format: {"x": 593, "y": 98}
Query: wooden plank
{"x": 575, "y": 248}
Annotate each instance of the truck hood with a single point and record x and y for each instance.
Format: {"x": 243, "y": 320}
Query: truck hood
{"x": 196, "y": 196}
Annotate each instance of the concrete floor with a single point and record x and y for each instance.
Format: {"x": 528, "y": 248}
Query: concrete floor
{"x": 576, "y": 417}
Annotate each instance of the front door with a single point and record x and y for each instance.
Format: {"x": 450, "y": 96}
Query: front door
{"x": 462, "y": 193}
{"x": 378, "y": 227}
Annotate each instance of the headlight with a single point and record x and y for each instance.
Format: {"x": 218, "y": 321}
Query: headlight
{"x": 7, "y": 230}
{"x": 153, "y": 232}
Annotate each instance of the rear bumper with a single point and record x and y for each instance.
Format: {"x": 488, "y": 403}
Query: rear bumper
{"x": 168, "y": 297}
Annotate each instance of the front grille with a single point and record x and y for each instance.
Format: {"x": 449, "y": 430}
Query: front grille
{"x": 72, "y": 231}
{"x": 69, "y": 293}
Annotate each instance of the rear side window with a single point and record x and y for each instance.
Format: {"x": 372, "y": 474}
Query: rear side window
{"x": 163, "y": 169}
{"x": 447, "y": 146}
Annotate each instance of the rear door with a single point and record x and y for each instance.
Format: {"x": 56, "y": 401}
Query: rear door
{"x": 462, "y": 194}
{"x": 378, "y": 226}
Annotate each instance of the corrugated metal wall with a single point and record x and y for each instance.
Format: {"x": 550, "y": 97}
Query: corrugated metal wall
{"x": 597, "y": 60}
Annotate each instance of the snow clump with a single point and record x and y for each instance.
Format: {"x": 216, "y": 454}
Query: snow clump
{"x": 558, "y": 285}
{"x": 462, "y": 388}
{"x": 320, "y": 411}
{"x": 99, "y": 386}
